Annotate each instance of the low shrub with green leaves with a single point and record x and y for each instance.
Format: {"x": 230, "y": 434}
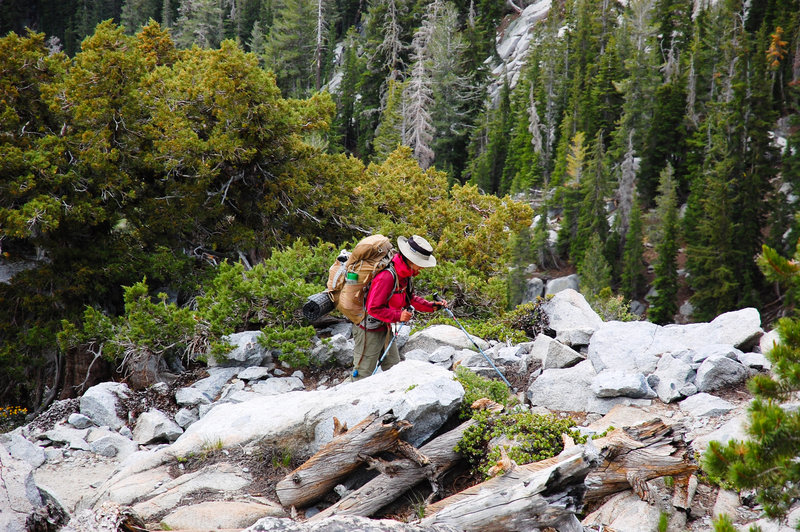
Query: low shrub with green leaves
{"x": 149, "y": 329}
{"x": 528, "y": 438}
{"x": 477, "y": 387}
{"x": 269, "y": 296}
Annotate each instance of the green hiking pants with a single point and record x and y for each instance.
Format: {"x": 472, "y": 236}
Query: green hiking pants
{"x": 372, "y": 344}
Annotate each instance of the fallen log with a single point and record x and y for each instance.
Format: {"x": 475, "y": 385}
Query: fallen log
{"x": 548, "y": 493}
{"x": 340, "y": 457}
{"x": 403, "y": 475}
{"x": 634, "y": 455}
{"x": 538, "y": 495}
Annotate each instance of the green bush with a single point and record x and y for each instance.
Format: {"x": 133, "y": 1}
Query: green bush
{"x": 477, "y": 387}
{"x": 533, "y": 437}
{"x": 148, "y": 329}
{"x": 269, "y": 296}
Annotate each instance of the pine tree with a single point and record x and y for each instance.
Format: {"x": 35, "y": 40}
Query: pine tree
{"x": 522, "y": 172}
{"x": 418, "y": 93}
{"x": 199, "y": 22}
{"x": 291, "y": 44}
{"x": 390, "y": 130}
{"x": 569, "y": 195}
{"x": 592, "y": 216}
{"x": 594, "y": 270}
{"x": 455, "y": 96}
{"x": 346, "y": 120}
{"x": 663, "y": 304}
{"x": 766, "y": 461}
{"x": 632, "y": 280}
{"x": 136, "y": 13}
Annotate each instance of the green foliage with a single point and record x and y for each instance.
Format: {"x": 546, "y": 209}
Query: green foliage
{"x": 148, "y": 333}
{"x": 527, "y": 437}
{"x": 594, "y": 270}
{"x": 664, "y": 305}
{"x": 767, "y": 460}
{"x": 477, "y": 387}
{"x": 612, "y": 307}
{"x": 270, "y": 295}
{"x": 528, "y": 318}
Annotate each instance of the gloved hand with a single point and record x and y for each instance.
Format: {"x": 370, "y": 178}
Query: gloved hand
{"x": 440, "y": 304}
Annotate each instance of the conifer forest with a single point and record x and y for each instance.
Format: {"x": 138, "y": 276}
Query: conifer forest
{"x": 172, "y": 171}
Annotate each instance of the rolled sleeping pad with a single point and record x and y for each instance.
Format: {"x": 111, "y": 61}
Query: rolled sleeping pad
{"x": 317, "y": 305}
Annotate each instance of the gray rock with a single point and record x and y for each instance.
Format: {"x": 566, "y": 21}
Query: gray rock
{"x": 701, "y": 353}
{"x": 79, "y": 421}
{"x": 632, "y": 346}
{"x": 733, "y": 429}
{"x": 421, "y": 393}
{"x": 507, "y": 355}
{"x": 534, "y": 289}
{"x": 114, "y": 445}
{"x": 555, "y": 286}
{"x": 442, "y": 356}
{"x": 100, "y": 403}
{"x": 756, "y": 361}
{"x": 672, "y": 375}
{"x": 567, "y": 389}
{"x": 740, "y": 328}
{"x": 338, "y": 348}
{"x": 554, "y": 354}
{"x": 73, "y": 438}
{"x": 154, "y": 426}
{"x": 612, "y": 383}
{"x": 705, "y": 405}
{"x": 718, "y": 372}
{"x": 247, "y": 351}
{"x": 217, "y": 379}
{"x": 431, "y": 338}
{"x": 214, "y": 515}
{"x": 161, "y": 388}
{"x": 571, "y": 317}
{"x": 19, "y": 495}
{"x": 21, "y": 449}
{"x": 253, "y": 373}
{"x": 768, "y": 341}
{"x": 186, "y": 416}
{"x": 278, "y": 386}
{"x": 191, "y": 397}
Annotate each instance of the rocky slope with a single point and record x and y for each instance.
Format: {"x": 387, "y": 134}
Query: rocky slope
{"x": 206, "y": 454}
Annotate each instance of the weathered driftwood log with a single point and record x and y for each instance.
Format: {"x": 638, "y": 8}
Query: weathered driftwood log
{"x": 338, "y": 458}
{"x": 538, "y": 495}
{"x": 634, "y": 455}
{"x": 547, "y": 493}
{"x": 402, "y": 476}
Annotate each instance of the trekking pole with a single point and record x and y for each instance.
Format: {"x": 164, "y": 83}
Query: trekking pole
{"x": 489, "y": 360}
{"x": 396, "y": 334}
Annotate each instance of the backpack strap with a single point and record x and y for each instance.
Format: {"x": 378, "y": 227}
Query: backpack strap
{"x": 369, "y": 323}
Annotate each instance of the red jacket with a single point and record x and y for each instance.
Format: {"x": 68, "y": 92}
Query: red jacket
{"x": 384, "y": 303}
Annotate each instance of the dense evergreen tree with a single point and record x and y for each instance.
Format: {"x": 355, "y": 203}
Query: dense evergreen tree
{"x": 290, "y": 46}
{"x": 592, "y": 216}
{"x": 663, "y": 305}
{"x": 632, "y": 281}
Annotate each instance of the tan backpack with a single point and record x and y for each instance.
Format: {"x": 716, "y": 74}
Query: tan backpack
{"x": 351, "y": 274}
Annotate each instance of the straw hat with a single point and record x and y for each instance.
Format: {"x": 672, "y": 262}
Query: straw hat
{"x": 417, "y": 250}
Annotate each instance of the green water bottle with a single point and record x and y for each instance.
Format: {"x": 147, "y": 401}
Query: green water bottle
{"x": 351, "y": 278}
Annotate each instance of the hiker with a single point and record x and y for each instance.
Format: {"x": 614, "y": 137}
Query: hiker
{"x": 388, "y": 302}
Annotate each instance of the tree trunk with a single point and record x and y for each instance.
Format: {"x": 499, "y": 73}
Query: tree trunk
{"x": 405, "y": 473}
{"x": 538, "y": 495}
{"x": 634, "y": 455}
{"x": 549, "y": 492}
{"x": 343, "y": 455}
